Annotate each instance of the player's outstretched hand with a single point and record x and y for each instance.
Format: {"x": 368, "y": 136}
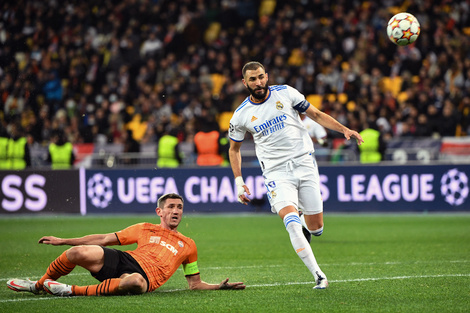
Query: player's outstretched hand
{"x": 242, "y": 198}
{"x": 242, "y": 188}
{"x": 226, "y": 285}
{"x": 51, "y": 240}
{"x": 351, "y": 133}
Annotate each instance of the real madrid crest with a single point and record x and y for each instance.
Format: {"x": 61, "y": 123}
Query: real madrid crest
{"x": 273, "y": 195}
{"x": 279, "y": 105}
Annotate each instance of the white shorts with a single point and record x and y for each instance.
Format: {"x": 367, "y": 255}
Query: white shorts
{"x": 296, "y": 183}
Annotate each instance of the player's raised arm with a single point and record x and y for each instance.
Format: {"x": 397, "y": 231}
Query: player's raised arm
{"x": 95, "y": 239}
{"x": 195, "y": 283}
{"x": 327, "y": 121}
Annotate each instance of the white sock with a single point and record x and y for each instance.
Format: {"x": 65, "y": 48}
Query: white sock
{"x": 316, "y": 232}
{"x": 300, "y": 244}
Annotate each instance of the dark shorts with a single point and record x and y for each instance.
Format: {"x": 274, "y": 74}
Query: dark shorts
{"x": 116, "y": 263}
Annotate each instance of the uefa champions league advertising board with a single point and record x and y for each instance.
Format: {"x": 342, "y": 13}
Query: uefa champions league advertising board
{"x": 443, "y": 188}
{"x": 438, "y": 188}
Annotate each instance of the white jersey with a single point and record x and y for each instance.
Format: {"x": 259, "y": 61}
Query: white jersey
{"x": 314, "y": 129}
{"x": 275, "y": 124}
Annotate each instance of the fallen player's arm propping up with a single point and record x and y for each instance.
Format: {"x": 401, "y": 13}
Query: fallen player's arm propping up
{"x": 95, "y": 239}
{"x": 195, "y": 283}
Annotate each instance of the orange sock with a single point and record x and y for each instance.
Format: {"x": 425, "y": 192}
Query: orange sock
{"x": 60, "y": 267}
{"x": 107, "y": 287}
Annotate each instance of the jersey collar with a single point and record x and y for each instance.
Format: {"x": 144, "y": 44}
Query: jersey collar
{"x": 258, "y": 103}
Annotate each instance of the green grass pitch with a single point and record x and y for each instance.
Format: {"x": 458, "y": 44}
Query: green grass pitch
{"x": 375, "y": 263}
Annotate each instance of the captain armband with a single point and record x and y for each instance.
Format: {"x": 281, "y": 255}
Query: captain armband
{"x": 302, "y": 106}
{"x": 190, "y": 269}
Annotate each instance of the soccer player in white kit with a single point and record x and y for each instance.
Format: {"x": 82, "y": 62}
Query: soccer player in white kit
{"x": 285, "y": 153}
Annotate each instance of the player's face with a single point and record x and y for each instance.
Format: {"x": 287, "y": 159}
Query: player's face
{"x": 171, "y": 213}
{"x": 257, "y": 83}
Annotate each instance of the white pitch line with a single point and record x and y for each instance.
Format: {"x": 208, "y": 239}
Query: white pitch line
{"x": 279, "y": 265}
{"x": 271, "y": 285}
{"x": 343, "y": 281}
{"x": 34, "y": 299}
{"x": 362, "y": 279}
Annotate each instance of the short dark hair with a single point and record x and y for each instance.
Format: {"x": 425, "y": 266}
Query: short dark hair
{"x": 161, "y": 201}
{"x": 251, "y": 66}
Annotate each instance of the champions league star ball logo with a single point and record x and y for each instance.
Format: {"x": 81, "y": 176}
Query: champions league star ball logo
{"x": 99, "y": 190}
{"x": 454, "y": 187}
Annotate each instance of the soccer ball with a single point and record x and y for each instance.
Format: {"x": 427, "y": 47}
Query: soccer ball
{"x": 403, "y": 29}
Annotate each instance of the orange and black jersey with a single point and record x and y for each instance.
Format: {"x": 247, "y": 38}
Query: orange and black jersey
{"x": 159, "y": 251}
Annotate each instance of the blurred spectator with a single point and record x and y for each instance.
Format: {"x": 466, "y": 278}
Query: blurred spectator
{"x": 433, "y": 119}
{"x": 151, "y": 47}
{"x": 373, "y": 148}
{"x": 423, "y": 128}
{"x": 131, "y": 148}
{"x": 206, "y": 141}
{"x": 448, "y": 121}
{"x": 188, "y": 150}
{"x": 168, "y": 150}
{"x": 61, "y": 155}
{"x": 18, "y": 150}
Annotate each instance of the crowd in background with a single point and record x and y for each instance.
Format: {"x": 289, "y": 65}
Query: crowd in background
{"x": 97, "y": 69}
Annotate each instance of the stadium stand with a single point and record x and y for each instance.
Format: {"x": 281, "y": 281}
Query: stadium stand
{"x": 95, "y": 69}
